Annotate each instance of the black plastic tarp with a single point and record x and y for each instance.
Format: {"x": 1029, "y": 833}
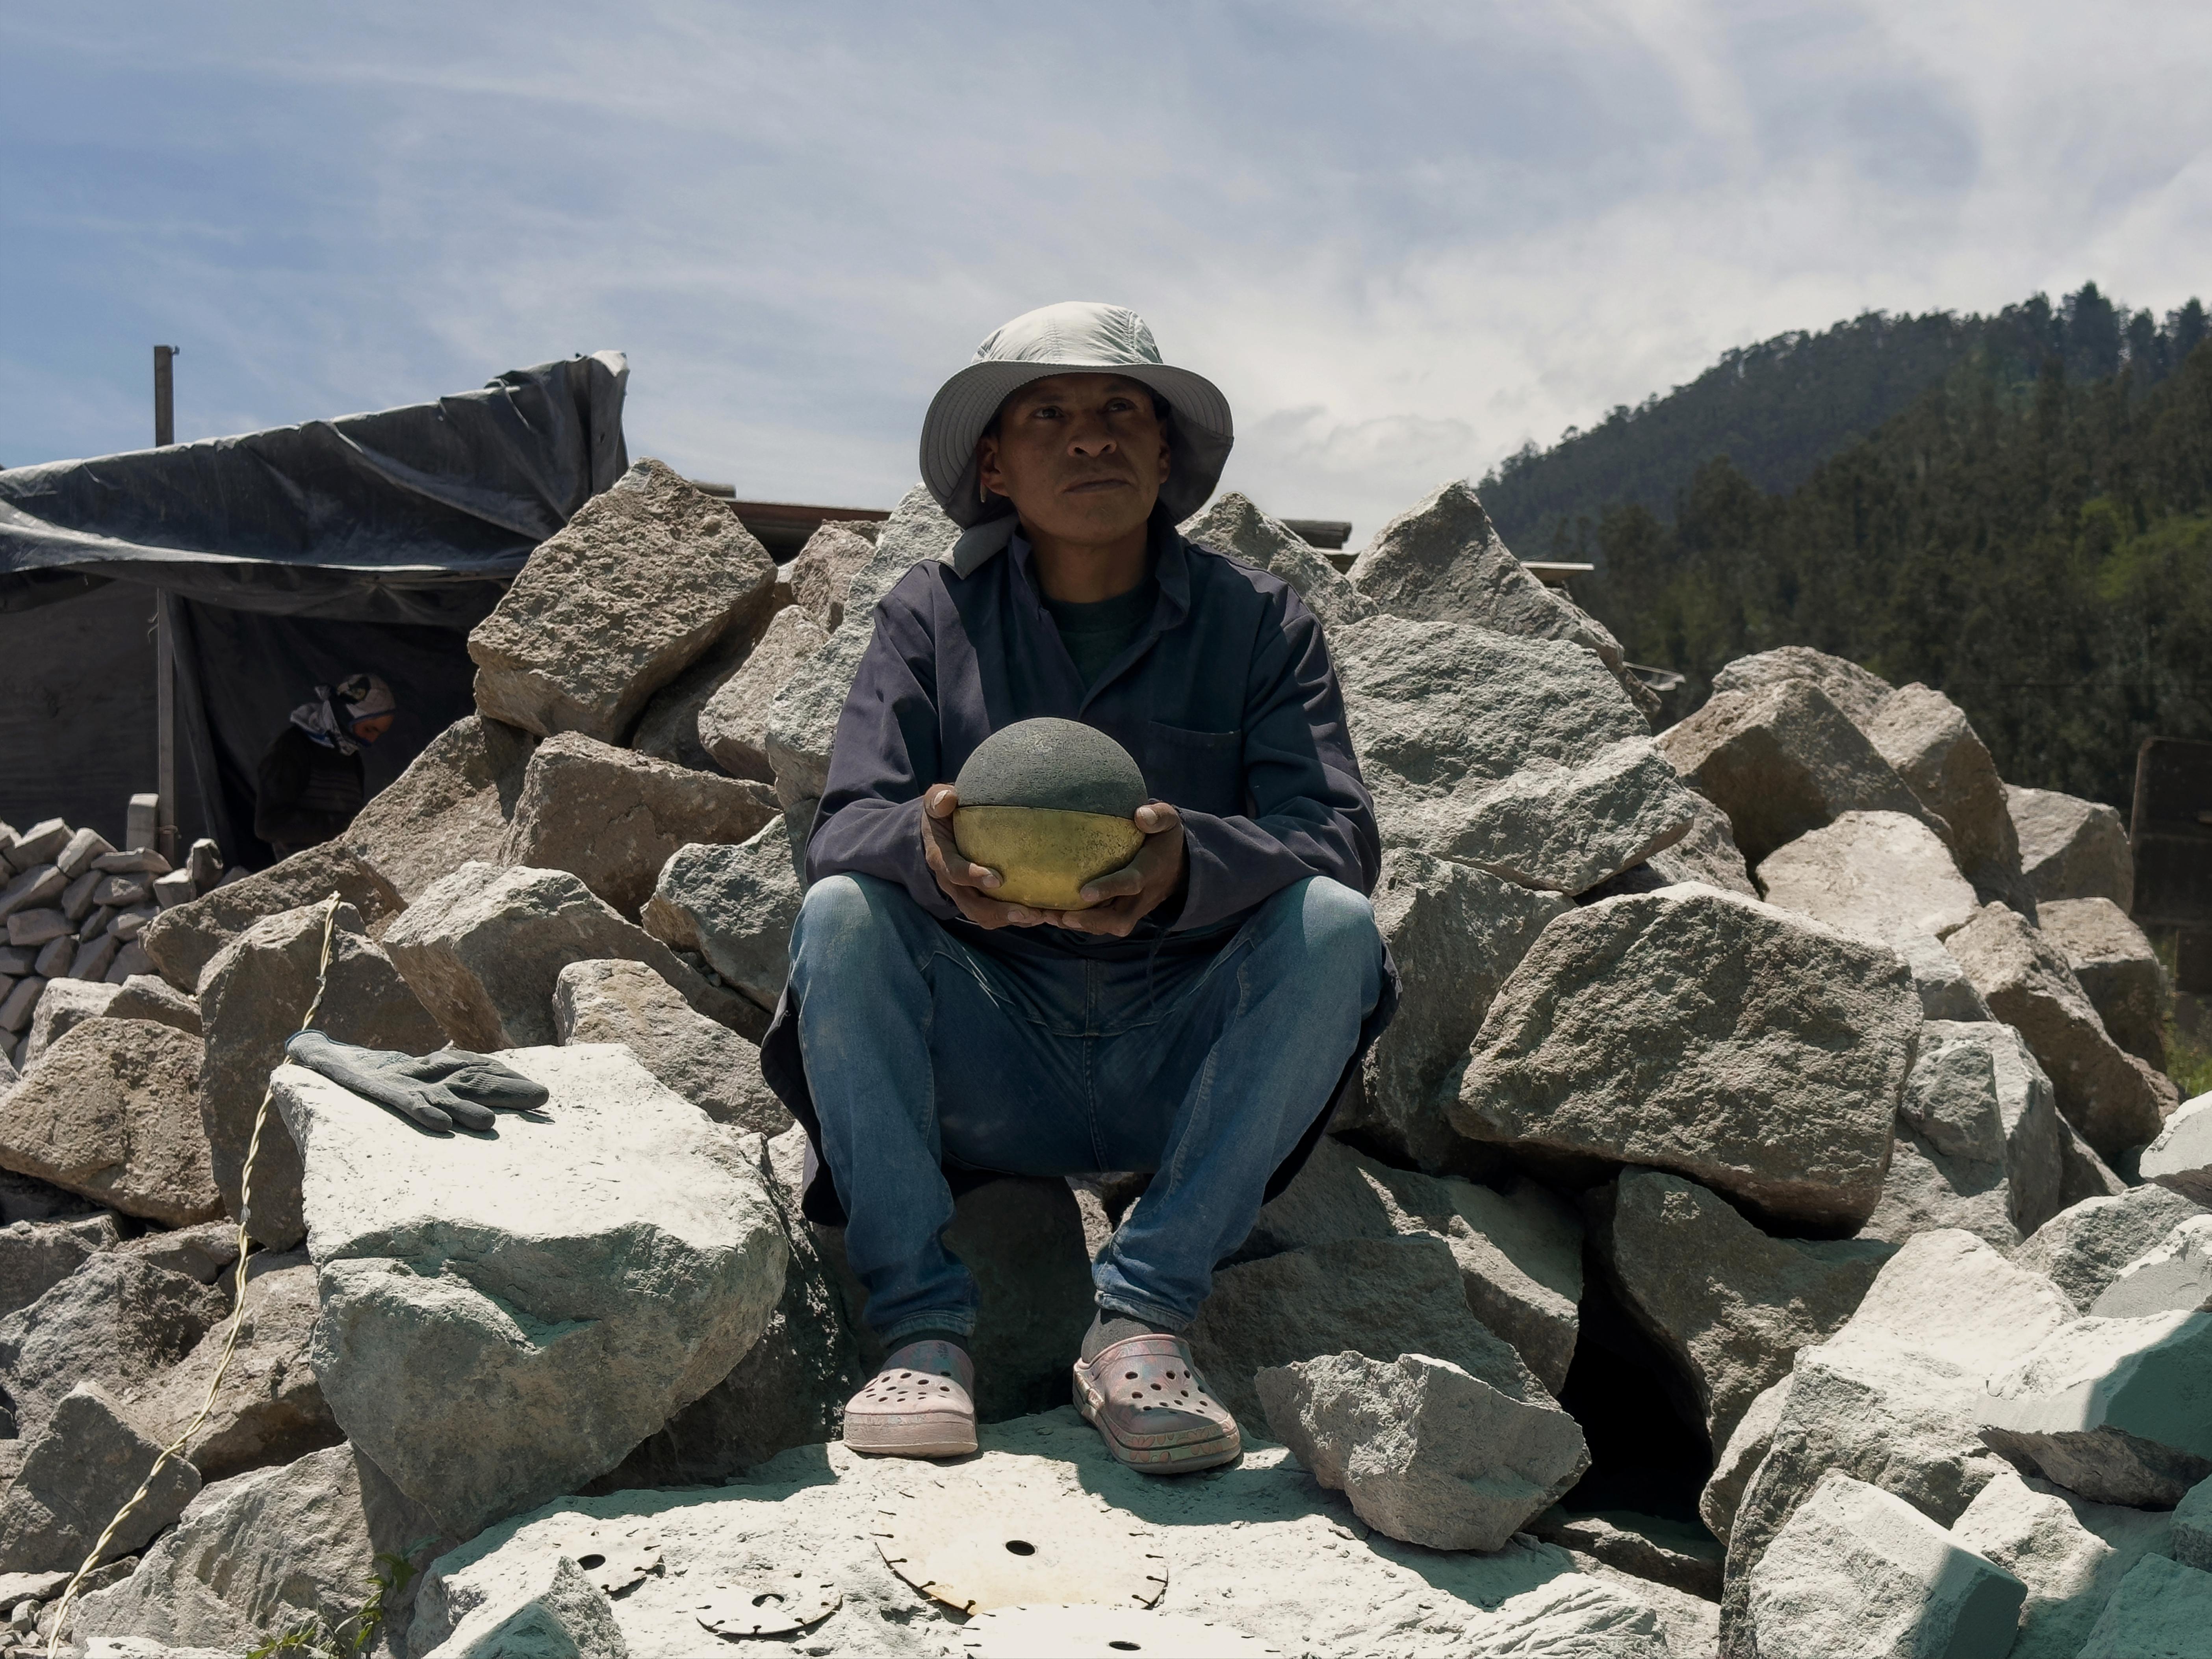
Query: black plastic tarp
{"x": 293, "y": 556}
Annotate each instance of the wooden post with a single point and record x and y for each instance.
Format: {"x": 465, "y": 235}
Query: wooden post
{"x": 165, "y": 662}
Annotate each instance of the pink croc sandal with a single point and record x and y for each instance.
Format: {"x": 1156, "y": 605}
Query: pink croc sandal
{"x": 1146, "y": 1398}
{"x": 921, "y": 1404}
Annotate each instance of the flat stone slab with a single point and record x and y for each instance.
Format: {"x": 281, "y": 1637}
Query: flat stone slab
{"x": 1257, "y": 1547}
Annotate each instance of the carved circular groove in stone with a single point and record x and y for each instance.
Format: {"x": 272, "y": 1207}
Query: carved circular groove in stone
{"x": 1103, "y": 1632}
{"x": 768, "y": 1604}
{"x": 984, "y": 1537}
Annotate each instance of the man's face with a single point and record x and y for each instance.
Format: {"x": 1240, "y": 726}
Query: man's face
{"x": 1081, "y": 457}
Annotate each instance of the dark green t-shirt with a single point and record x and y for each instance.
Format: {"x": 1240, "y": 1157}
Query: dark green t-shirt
{"x": 1097, "y": 633}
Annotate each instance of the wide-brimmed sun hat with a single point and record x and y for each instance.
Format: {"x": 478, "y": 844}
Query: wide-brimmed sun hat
{"x": 1074, "y": 337}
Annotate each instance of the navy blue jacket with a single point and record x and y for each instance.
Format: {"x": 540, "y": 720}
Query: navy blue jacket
{"x": 1227, "y": 700}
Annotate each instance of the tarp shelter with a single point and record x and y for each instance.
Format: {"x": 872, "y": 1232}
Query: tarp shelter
{"x": 289, "y": 558}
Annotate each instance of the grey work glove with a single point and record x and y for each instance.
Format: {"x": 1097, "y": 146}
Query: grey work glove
{"x": 436, "y": 1090}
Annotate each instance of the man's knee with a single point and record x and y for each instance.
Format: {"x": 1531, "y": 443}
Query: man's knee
{"x": 1329, "y": 928}
{"x": 843, "y": 916}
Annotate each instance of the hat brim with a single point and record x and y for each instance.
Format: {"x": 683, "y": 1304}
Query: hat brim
{"x": 1199, "y": 444}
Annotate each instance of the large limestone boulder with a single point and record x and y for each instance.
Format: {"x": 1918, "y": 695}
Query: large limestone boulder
{"x": 613, "y": 816}
{"x": 1980, "y": 1140}
{"x": 1936, "y": 749}
{"x": 1231, "y": 525}
{"x": 149, "y": 996}
{"x": 2118, "y": 1410}
{"x": 1521, "y": 756}
{"x": 264, "y": 1553}
{"x": 1856, "y": 1570}
{"x": 483, "y": 948}
{"x": 1783, "y": 760}
{"x": 2118, "y": 971}
{"x": 791, "y": 1388}
{"x": 113, "y": 1112}
{"x": 668, "y": 730}
{"x": 704, "y": 1061}
{"x": 2085, "y": 1247}
{"x": 1442, "y": 560}
{"x": 1708, "y": 853}
{"x": 1945, "y": 991}
{"x": 2160, "y": 1607}
{"x": 452, "y": 804}
{"x": 181, "y": 942}
{"x": 2116, "y": 1101}
{"x": 2176, "y": 1275}
{"x": 77, "y": 1473}
{"x": 1731, "y": 1305}
{"x": 269, "y": 1407}
{"x": 2070, "y": 1553}
{"x": 1738, "y": 1460}
{"x": 1880, "y": 874}
{"x": 1754, "y": 1051}
{"x": 118, "y": 1320}
{"x": 37, "y": 1255}
{"x": 732, "y": 723}
{"x": 2193, "y": 1527}
{"x": 647, "y": 577}
{"x": 802, "y": 721}
{"x": 1856, "y": 690}
{"x": 503, "y": 1317}
{"x": 1894, "y": 1398}
{"x": 821, "y": 575}
{"x": 257, "y": 992}
{"x": 2071, "y": 849}
{"x": 1427, "y": 1452}
{"x": 736, "y": 906}
{"x": 1382, "y": 1297}
{"x": 2181, "y": 1158}
{"x": 1519, "y": 1251}
{"x": 64, "y": 1005}
{"x": 1456, "y": 934}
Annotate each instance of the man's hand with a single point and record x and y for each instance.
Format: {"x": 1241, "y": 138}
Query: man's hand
{"x": 1120, "y": 901}
{"x": 967, "y": 884}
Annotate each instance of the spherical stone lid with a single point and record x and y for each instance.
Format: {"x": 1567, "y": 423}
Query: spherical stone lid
{"x": 1053, "y": 764}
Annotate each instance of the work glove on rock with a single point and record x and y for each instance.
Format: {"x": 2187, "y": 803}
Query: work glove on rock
{"x": 436, "y": 1090}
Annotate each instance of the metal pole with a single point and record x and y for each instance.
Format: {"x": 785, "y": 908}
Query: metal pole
{"x": 164, "y": 396}
{"x": 164, "y": 660}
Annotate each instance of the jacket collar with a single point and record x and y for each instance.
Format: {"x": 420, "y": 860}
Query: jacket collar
{"x": 1171, "y": 568}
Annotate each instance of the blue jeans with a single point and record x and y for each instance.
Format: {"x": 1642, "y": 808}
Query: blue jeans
{"x": 1204, "y": 1069}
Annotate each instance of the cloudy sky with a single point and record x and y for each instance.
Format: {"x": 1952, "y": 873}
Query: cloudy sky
{"x": 1404, "y": 238}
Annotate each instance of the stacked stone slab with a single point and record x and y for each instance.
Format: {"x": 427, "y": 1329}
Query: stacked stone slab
{"x": 74, "y": 909}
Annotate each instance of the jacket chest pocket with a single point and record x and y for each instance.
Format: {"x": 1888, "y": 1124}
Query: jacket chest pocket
{"x": 1201, "y": 770}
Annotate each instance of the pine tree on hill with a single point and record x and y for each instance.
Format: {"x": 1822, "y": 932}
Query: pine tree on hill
{"x": 1779, "y": 409}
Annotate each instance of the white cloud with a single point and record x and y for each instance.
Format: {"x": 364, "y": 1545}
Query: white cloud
{"x": 1404, "y": 238}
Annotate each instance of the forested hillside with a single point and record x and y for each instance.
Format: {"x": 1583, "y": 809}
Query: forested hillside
{"x": 1777, "y": 409}
{"x": 2041, "y": 550}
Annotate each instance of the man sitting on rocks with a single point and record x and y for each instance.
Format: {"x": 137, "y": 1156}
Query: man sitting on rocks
{"x": 1197, "y": 1020}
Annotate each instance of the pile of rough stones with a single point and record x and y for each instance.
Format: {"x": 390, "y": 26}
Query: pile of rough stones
{"x": 74, "y": 908}
{"x": 1783, "y": 1081}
